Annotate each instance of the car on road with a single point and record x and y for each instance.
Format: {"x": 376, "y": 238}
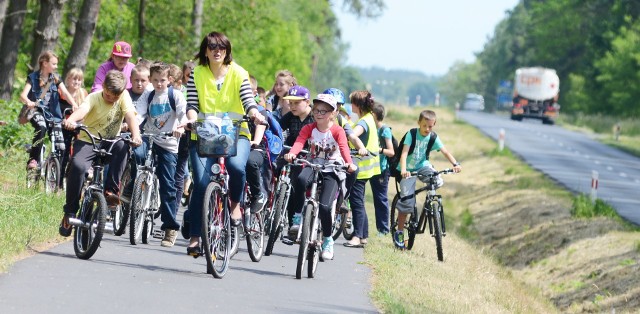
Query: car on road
{"x": 473, "y": 102}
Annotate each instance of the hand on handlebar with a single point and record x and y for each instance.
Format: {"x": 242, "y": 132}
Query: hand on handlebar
{"x": 136, "y": 140}
{"x": 351, "y": 168}
{"x": 289, "y": 157}
{"x": 178, "y": 132}
{"x": 68, "y": 125}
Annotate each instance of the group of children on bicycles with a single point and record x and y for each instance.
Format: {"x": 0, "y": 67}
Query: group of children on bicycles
{"x": 175, "y": 98}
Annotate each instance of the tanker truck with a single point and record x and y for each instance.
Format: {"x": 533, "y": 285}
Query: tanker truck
{"x": 535, "y": 94}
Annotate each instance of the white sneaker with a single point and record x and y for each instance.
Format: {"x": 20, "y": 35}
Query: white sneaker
{"x": 327, "y": 248}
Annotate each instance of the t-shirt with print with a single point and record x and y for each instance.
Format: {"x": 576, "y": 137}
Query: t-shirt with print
{"x": 103, "y": 118}
{"x": 332, "y": 143}
{"x": 386, "y": 134}
{"x": 161, "y": 118}
{"x": 135, "y": 98}
{"x": 418, "y": 159}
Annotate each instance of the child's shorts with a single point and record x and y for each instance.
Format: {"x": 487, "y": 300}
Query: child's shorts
{"x": 423, "y": 172}
{"x": 407, "y": 200}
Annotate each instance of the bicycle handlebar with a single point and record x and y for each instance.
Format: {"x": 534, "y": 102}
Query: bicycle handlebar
{"x": 126, "y": 137}
{"x": 300, "y": 161}
{"x": 433, "y": 174}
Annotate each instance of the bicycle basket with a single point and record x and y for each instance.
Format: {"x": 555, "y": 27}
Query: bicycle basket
{"x": 212, "y": 143}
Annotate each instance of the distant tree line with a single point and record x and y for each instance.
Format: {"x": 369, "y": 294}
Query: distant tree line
{"x": 267, "y": 35}
{"x": 594, "y": 45}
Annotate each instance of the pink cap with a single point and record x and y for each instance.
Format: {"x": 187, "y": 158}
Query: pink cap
{"x": 121, "y": 49}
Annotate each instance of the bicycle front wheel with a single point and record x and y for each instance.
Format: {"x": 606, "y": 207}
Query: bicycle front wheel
{"x": 278, "y": 221}
{"x": 51, "y": 175}
{"x": 255, "y": 236}
{"x": 216, "y": 235}
{"x": 303, "y": 250}
{"x": 138, "y": 208}
{"x": 437, "y": 228}
{"x": 315, "y": 235}
{"x": 87, "y": 237}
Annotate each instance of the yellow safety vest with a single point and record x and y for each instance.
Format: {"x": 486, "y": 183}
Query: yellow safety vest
{"x": 369, "y": 166}
{"x": 226, "y": 100}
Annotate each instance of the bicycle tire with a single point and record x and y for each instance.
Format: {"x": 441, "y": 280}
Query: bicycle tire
{"x": 216, "y": 238}
{"x": 120, "y": 218}
{"x": 348, "y": 229}
{"x": 277, "y": 223}
{"x": 437, "y": 229}
{"x": 51, "y": 175}
{"x": 393, "y": 216}
{"x": 339, "y": 223}
{"x": 303, "y": 250}
{"x": 147, "y": 229}
{"x": 411, "y": 226}
{"x": 137, "y": 215}
{"x": 86, "y": 239}
{"x": 255, "y": 237}
{"x": 313, "y": 256}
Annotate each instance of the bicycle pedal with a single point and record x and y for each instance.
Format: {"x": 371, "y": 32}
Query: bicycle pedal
{"x": 158, "y": 234}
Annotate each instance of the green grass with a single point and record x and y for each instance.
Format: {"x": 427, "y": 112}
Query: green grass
{"x": 28, "y": 217}
{"x": 583, "y": 208}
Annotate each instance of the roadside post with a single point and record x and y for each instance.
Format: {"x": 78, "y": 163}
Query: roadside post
{"x": 501, "y": 139}
{"x": 594, "y": 186}
{"x": 457, "y": 110}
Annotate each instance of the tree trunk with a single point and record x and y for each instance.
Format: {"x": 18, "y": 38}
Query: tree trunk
{"x": 46, "y": 33}
{"x": 11, "y": 32}
{"x": 196, "y": 20}
{"x": 142, "y": 27}
{"x": 3, "y": 10}
{"x": 72, "y": 17}
{"x": 85, "y": 28}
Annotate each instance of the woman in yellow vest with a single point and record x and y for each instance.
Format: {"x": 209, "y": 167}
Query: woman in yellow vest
{"x": 369, "y": 166}
{"x": 215, "y": 87}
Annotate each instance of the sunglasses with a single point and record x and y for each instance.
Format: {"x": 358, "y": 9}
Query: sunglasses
{"x": 216, "y": 46}
{"x": 321, "y": 112}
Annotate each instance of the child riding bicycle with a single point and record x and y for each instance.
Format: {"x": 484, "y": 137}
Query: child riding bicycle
{"x": 417, "y": 160}
{"x": 102, "y": 112}
{"x": 332, "y": 141}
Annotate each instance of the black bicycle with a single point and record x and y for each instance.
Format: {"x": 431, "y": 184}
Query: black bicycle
{"x": 432, "y": 212}
{"x": 90, "y": 224}
{"x": 50, "y": 168}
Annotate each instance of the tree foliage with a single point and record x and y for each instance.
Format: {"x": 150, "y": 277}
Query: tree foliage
{"x": 592, "y": 44}
{"x": 266, "y": 35}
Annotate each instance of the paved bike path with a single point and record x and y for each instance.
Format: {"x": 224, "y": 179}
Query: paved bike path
{"x": 149, "y": 278}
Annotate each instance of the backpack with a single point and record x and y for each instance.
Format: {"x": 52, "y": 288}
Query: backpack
{"x": 172, "y": 100}
{"x": 395, "y": 160}
{"x": 383, "y": 142}
{"x": 273, "y": 136}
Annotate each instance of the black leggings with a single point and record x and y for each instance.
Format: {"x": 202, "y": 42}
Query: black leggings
{"x": 330, "y": 184}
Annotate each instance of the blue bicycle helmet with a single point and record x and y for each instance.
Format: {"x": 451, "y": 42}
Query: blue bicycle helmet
{"x": 336, "y": 93}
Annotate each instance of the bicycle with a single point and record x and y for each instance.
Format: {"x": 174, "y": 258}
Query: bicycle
{"x": 120, "y": 213}
{"x": 90, "y": 224}
{"x": 310, "y": 234}
{"x": 278, "y": 208}
{"x": 145, "y": 197}
{"x": 432, "y": 212}
{"x": 49, "y": 168}
{"x": 216, "y": 219}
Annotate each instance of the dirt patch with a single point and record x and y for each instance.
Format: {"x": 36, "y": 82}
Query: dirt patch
{"x": 581, "y": 265}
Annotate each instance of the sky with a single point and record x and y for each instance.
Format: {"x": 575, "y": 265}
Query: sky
{"x": 421, "y": 35}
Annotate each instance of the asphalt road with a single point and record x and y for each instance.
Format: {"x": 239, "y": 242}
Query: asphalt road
{"x": 569, "y": 158}
{"x": 122, "y": 278}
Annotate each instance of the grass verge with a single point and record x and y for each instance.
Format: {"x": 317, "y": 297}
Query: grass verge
{"x": 28, "y": 217}
{"x": 516, "y": 242}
